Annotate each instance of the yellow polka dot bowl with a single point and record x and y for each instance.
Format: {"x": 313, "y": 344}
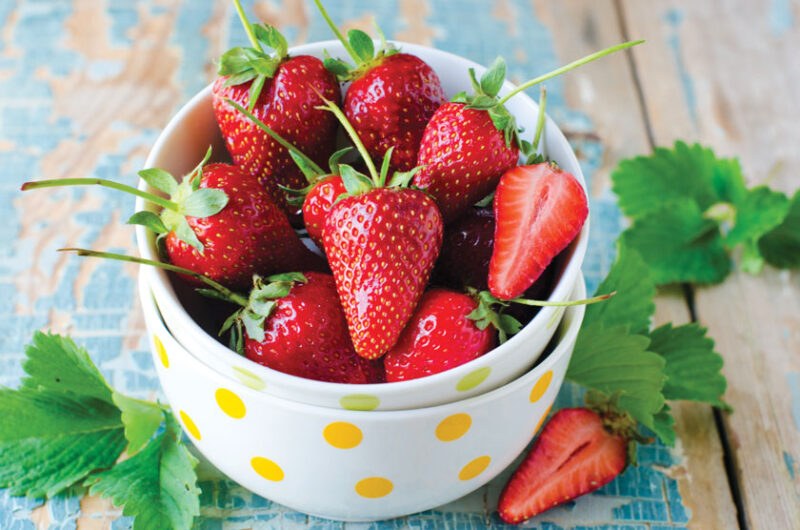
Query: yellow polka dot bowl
{"x": 348, "y": 464}
{"x": 183, "y": 143}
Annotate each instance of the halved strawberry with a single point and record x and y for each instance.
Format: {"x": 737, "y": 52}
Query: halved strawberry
{"x": 539, "y": 210}
{"x": 574, "y": 455}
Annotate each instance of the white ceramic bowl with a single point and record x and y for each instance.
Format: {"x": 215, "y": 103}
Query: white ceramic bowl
{"x": 355, "y": 465}
{"x": 182, "y": 144}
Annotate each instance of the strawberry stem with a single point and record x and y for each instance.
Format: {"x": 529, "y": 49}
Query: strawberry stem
{"x": 247, "y": 26}
{"x": 55, "y": 183}
{"x": 540, "y": 118}
{"x": 338, "y": 33}
{"x": 235, "y": 297}
{"x": 331, "y": 106}
{"x": 541, "y": 303}
{"x": 278, "y": 138}
{"x": 568, "y": 67}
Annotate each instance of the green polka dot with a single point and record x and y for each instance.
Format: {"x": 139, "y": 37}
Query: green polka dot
{"x": 473, "y": 379}
{"x": 359, "y": 402}
{"x": 249, "y": 379}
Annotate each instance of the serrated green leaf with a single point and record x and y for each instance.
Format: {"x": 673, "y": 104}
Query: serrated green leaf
{"x": 633, "y": 304}
{"x": 759, "y": 212}
{"x": 663, "y": 426}
{"x": 781, "y": 246}
{"x": 679, "y": 245}
{"x": 647, "y": 183}
{"x": 265, "y": 66}
{"x": 58, "y": 364}
{"x": 693, "y": 368}
{"x": 159, "y": 179}
{"x": 141, "y": 419}
{"x": 149, "y": 220}
{"x": 234, "y": 61}
{"x": 273, "y": 38}
{"x": 337, "y": 67}
{"x": 158, "y": 486}
{"x": 204, "y": 202}
{"x": 492, "y": 79}
{"x": 362, "y": 44}
{"x": 612, "y": 360}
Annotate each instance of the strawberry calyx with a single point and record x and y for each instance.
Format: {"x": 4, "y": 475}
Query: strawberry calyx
{"x": 359, "y": 46}
{"x": 296, "y": 196}
{"x": 530, "y": 150}
{"x": 242, "y": 64}
{"x": 617, "y": 421}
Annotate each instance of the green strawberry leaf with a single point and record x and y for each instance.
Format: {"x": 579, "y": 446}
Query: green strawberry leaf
{"x": 337, "y": 67}
{"x": 159, "y": 179}
{"x": 461, "y": 97}
{"x": 362, "y": 44}
{"x": 760, "y": 211}
{"x": 149, "y": 220}
{"x": 693, "y": 368}
{"x": 234, "y": 61}
{"x": 204, "y": 202}
{"x": 663, "y": 426}
{"x": 781, "y": 245}
{"x": 273, "y": 38}
{"x": 354, "y": 182}
{"x": 183, "y": 231}
{"x": 158, "y": 486}
{"x": 254, "y": 322}
{"x": 387, "y": 158}
{"x": 255, "y": 92}
{"x": 752, "y": 261}
{"x": 679, "y": 244}
{"x": 141, "y": 419}
{"x": 239, "y": 79}
{"x": 492, "y": 79}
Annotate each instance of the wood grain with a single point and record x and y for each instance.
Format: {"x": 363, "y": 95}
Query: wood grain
{"x": 734, "y": 85}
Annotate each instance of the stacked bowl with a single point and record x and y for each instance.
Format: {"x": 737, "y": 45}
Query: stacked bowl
{"x": 357, "y": 452}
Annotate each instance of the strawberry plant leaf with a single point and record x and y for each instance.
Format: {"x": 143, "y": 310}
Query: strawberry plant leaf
{"x": 158, "y": 486}
{"x": 492, "y": 79}
{"x": 693, "y": 368}
{"x": 362, "y": 44}
{"x": 760, "y": 211}
{"x": 255, "y": 92}
{"x": 185, "y": 233}
{"x": 633, "y": 304}
{"x": 204, "y": 202}
{"x": 238, "y": 79}
{"x": 663, "y": 426}
{"x": 159, "y": 179}
{"x": 612, "y": 360}
{"x": 333, "y": 161}
{"x": 141, "y": 419}
{"x": 149, "y": 220}
{"x": 781, "y": 245}
{"x": 354, "y": 182}
{"x": 679, "y": 244}
{"x": 273, "y": 38}
{"x": 337, "y": 67}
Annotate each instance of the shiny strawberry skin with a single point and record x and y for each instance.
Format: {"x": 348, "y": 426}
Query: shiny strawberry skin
{"x": 463, "y": 156}
{"x": 573, "y": 455}
{"x": 318, "y": 203}
{"x": 381, "y": 246}
{"x": 286, "y": 104}
{"x": 390, "y": 105}
{"x": 438, "y": 337}
{"x": 539, "y": 210}
{"x": 307, "y": 336}
{"x": 467, "y": 250}
{"x": 251, "y": 235}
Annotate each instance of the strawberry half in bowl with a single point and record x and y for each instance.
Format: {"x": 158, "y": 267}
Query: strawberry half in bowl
{"x": 181, "y": 146}
{"x": 355, "y": 465}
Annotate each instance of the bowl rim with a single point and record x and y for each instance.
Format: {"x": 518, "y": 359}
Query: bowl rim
{"x": 565, "y": 346}
{"x": 168, "y": 301}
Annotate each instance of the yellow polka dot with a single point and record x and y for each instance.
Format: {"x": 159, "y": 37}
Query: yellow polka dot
{"x": 249, "y": 379}
{"x": 541, "y": 386}
{"x": 162, "y": 353}
{"x": 541, "y": 420}
{"x": 453, "y": 427}
{"x": 359, "y": 402}
{"x": 374, "y": 487}
{"x": 190, "y": 426}
{"x": 267, "y": 468}
{"x": 474, "y": 468}
{"x": 473, "y": 379}
{"x": 230, "y": 403}
{"x": 342, "y": 435}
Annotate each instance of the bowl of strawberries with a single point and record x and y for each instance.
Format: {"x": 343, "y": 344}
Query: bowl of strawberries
{"x": 430, "y": 261}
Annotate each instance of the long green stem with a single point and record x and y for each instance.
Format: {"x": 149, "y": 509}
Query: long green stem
{"x": 278, "y": 138}
{"x": 331, "y": 106}
{"x": 56, "y": 183}
{"x": 541, "y": 303}
{"x": 239, "y": 299}
{"x": 540, "y": 118}
{"x": 247, "y": 26}
{"x": 568, "y": 67}
{"x": 338, "y": 33}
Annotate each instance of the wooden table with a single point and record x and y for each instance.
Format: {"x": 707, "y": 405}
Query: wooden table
{"x": 85, "y": 87}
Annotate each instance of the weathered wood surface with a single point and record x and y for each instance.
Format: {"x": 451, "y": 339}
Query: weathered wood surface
{"x": 85, "y": 87}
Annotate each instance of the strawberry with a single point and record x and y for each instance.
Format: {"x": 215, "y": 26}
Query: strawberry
{"x": 381, "y": 241}
{"x": 391, "y": 98}
{"x": 439, "y": 336}
{"x": 575, "y": 454}
{"x": 277, "y": 90}
{"x": 539, "y": 210}
{"x": 318, "y": 204}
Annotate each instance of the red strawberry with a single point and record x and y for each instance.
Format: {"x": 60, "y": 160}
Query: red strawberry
{"x": 539, "y": 210}
{"x": 318, "y": 204}
{"x": 279, "y": 90}
{"x": 305, "y": 332}
{"x": 439, "y": 336}
{"x": 573, "y": 455}
{"x": 391, "y": 98}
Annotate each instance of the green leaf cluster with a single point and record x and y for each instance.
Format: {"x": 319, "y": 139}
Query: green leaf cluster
{"x": 690, "y": 209}
{"x": 362, "y": 50}
{"x": 64, "y": 427}
{"x": 617, "y": 354}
